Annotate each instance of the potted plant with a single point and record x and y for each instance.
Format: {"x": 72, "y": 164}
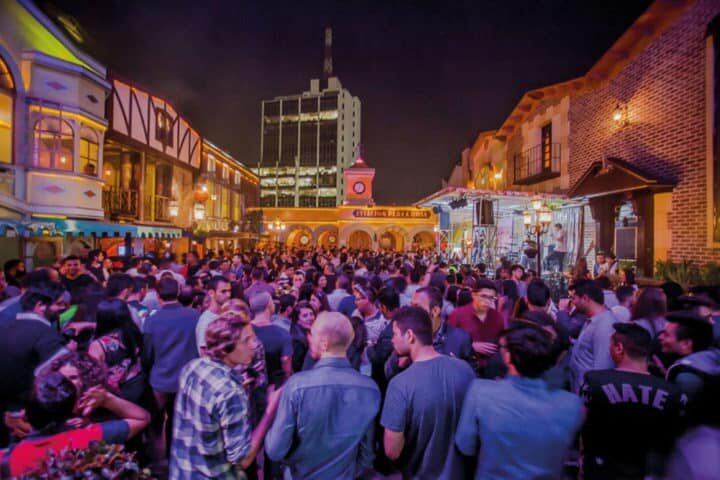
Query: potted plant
{"x": 98, "y": 461}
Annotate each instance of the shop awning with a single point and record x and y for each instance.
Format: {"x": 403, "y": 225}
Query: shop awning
{"x": 11, "y": 228}
{"x": 90, "y": 228}
{"x": 16, "y": 228}
{"x": 144, "y": 231}
{"x": 615, "y": 175}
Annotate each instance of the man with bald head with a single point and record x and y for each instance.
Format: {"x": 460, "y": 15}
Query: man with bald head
{"x": 324, "y": 425}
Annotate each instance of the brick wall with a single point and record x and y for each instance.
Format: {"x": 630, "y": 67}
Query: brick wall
{"x": 664, "y": 90}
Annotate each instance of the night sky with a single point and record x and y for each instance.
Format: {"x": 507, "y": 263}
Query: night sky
{"x": 430, "y": 74}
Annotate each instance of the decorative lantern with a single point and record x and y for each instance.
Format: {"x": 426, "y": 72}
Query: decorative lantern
{"x": 201, "y": 194}
{"x": 545, "y": 217}
{"x": 199, "y": 211}
{"x": 527, "y": 218}
{"x": 174, "y": 208}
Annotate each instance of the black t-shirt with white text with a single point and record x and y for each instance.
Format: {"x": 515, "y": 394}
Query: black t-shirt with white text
{"x": 632, "y": 420}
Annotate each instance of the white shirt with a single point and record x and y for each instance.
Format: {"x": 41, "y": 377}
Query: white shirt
{"x": 205, "y": 319}
{"x": 621, "y": 313}
{"x": 178, "y": 278}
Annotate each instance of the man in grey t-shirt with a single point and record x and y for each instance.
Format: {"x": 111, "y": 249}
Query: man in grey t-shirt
{"x": 592, "y": 348}
{"x": 423, "y": 403}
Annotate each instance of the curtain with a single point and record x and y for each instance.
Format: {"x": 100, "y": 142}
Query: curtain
{"x": 571, "y": 220}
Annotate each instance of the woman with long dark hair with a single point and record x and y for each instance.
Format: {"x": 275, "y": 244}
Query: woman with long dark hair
{"x": 650, "y": 310}
{"x": 580, "y": 271}
{"x": 319, "y": 301}
{"x": 627, "y": 278}
{"x": 302, "y": 317}
{"x": 118, "y": 345}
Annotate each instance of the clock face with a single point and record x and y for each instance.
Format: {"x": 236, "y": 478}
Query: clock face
{"x": 359, "y": 187}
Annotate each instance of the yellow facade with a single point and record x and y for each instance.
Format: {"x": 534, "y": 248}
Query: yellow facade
{"x": 373, "y": 227}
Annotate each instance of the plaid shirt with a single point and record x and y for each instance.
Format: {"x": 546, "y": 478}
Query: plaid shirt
{"x": 212, "y": 432}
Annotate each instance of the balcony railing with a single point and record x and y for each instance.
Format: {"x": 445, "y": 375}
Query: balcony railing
{"x": 162, "y": 208}
{"x": 121, "y": 203}
{"x": 537, "y": 164}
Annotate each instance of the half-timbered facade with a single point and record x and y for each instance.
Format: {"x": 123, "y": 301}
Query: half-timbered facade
{"x": 151, "y": 164}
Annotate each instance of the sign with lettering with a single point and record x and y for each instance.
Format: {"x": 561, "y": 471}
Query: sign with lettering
{"x": 390, "y": 213}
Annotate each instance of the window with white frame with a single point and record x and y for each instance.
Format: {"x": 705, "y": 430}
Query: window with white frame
{"x": 53, "y": 144}
{"x": 89, "y": 151}
{"x": 210, "y": 163}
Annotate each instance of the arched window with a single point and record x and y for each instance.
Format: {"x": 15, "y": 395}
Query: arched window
{"x": 53, "y": 144}
{"x": 88, "y": 151}
{"x": 7, "y": 96}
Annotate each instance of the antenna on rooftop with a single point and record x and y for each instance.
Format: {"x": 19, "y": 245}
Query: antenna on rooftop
{"x": 328, "y": 63}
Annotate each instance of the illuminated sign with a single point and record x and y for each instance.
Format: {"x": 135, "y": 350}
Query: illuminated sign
{"x": 387, "y": 213}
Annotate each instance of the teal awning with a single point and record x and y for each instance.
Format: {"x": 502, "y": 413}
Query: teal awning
{"x": 17, "y": 228}
{"x": 11, "y": 228}
{"x": 145, "y": 231}
{"x": 90, "y": 228}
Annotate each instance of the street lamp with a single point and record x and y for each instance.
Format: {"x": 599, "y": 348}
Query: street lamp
{"x": 537, "y": 221}
{"x": 277, "y": 226}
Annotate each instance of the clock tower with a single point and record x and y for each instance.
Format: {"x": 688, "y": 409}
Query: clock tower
{"x": 358, "y": 183}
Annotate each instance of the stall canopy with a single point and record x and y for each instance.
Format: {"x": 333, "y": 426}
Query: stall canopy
{"x": 89, "y": 228}
{"x": 488, "y": 225}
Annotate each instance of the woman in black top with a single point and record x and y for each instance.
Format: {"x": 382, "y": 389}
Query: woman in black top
{"x": 118, "y": 345}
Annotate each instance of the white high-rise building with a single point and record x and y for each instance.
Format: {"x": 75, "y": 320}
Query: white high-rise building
{"x": 307, "y": 141}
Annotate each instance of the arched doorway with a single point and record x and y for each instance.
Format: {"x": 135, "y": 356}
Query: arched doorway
{"x": 300, "y": 237}
{"x": 360, "y": 240}
{"x": 392, "y": 238}
{"x": 7, "y": 102}
{"x": 423, "y": 240}
{"x": 327, "y": 239}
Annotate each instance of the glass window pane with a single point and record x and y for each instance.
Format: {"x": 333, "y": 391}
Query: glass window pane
{"x": 64, "y": 159}
{"x": 6, "y": 106}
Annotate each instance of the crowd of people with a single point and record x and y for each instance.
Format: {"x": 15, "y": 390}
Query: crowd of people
{"x": 339, "y": 364}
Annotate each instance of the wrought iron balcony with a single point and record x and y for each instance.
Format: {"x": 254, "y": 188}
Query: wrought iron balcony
{"x": 537, "y": 164}
{"x": 121, "y": 203}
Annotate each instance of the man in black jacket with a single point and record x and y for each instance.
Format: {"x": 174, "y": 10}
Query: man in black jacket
{"x": 27, "y": 345}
